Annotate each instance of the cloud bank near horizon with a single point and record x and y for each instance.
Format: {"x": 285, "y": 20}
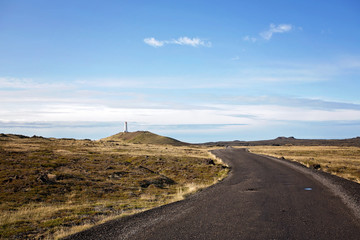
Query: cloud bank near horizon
{"x": 59, "y": 108}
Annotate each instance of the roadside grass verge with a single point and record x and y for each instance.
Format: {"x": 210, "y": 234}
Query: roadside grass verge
{"x": 51, "y": 188}
{"x": 341, "y": 161}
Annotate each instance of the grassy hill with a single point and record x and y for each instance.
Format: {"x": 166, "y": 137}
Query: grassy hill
{"x": 144, "y": 137}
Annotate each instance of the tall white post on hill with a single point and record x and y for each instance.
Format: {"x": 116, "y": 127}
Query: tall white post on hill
{"x": 125, "y": 127}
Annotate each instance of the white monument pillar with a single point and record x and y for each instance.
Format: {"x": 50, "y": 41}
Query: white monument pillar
{"x": 125, "y": 127}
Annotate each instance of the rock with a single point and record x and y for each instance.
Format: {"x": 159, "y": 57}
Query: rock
{"x": 145, "y": 183}
{"x": 159, "y": 182}
{"x": 210, "y": 162}
{"x": 118, "y": 174}
{"x": 316, "y": 166}
{"x": 44, "y": 179}
{"x": 52, "y": 177}
{"x": 9, "y": 180}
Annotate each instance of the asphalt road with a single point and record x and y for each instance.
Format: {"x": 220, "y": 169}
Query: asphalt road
{"x": 262, "y": 198}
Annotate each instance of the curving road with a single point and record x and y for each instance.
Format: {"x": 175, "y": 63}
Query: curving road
{"x": 263, "y": 198}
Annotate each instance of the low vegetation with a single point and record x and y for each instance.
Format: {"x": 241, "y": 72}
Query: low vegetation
{"x": 338, "y": 160}
{"x": 144, "y": 137}
{"x": 51, "y": 188}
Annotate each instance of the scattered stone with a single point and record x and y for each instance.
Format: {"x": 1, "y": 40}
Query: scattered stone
{"x": 159, "y": 182}
{"x": 118, "y": 175}
{"x": 45, "y": 179}
{"x": 52, "y": 177}
{"x": 316, "y": 166}
{"x": 210, "y": 162}
{"x": 10, "y": 179}
{"x": 145, "y": 183}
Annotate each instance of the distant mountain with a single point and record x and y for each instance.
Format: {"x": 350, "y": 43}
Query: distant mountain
{"x": 281, "y": 141}
{"x": 144, "y": 137}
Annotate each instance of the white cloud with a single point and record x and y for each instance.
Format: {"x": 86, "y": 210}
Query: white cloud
{"x": 249, "y": 39}
{"x": 281, "y": 28}
{"x": 40, "y": 106}
{"x": 194, "y": 42}
{"x": 266, "y": 112}
{"x": 37, "y": 102}
{"x": 191, "y": 42}
{"x": 220, "y": 114}
{"x": 153, "y": 42}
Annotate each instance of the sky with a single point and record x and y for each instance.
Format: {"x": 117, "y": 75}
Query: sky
{"x": 197, "y": 71}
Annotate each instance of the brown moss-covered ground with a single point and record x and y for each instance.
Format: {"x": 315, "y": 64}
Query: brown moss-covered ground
{"x": 54, "y": 187}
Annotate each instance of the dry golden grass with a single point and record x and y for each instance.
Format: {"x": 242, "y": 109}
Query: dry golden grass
{"x": 340, "y": 161}
{"x": 55, "y": 187}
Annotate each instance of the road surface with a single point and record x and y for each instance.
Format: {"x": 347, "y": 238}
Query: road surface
{"x": 263, "y": 198}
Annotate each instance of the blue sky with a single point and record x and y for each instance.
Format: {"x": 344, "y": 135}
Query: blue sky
{"x": 193, "y": 70}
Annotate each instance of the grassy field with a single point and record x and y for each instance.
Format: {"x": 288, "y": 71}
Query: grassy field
{"x": 51, "y": 188}
{"x": 340, "y": 161}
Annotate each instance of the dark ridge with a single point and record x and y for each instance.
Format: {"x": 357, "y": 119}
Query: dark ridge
{"x": 12, "y": 136}
{"x": 282, "y": 141}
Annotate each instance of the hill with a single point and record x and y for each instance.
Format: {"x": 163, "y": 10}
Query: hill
{"x": 144, "y": 137}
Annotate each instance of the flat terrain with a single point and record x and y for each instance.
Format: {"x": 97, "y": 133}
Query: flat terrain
{"x": 341, "y": 161}
{"x": 263, "y": 198}
{"x": 283, "y": 141}
{"x": 53, "y": 187}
